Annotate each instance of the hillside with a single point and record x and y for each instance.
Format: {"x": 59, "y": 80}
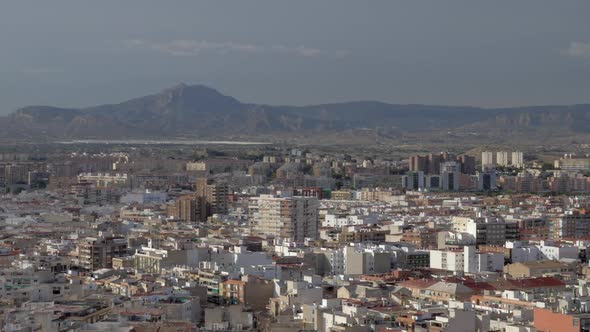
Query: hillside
{"x": 199, "y": 111}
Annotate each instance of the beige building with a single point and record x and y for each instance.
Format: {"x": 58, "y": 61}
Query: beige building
{"x": 294, "y": 218}
{"x": 215, "y": 193}
{"x": 251, "y": 291}
{"x": 189, "y": 208}
{"x": 537, "y": 269}
{"x": 342, "y": 195}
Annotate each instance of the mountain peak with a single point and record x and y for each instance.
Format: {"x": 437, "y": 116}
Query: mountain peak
{"x": 196, "y": 91}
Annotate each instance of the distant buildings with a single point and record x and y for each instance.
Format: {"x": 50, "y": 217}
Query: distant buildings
{"x": 502, "y": 158}
{"x": 571, "y": 163}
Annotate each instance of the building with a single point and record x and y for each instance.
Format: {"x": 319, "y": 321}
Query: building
{"x": 547, "y": 320}
{"x": 450, "y": 175}
{"x": 294, "y": 218}
{"x": 517, "y": 159}
{"x": 467, "y": 164}
{"x": 251, "y": 291}
{"x": 571, "y": 163}
{"x": 487, "y": 231}
{"x": 534, "y": 229}
{"x": 502, "y": 158}
{"x": 572, "y": 225}
{"x": 466, "y": 260}
{"x": 487, "y": 158}
{"x": 431, "y": 163}
{"x": 98, "y": 253}
{"x": 418, "y": 163}
{"x": 216, "y": 195}
{"x": 486, "y": 179}
{"x": 341, "y": 195}
{"x": 538, "y": 269}
{"x": 358, "y": 261}
{"x": 189, "y": 208}
{"x": 413, "y": 180}
{"x": 105, "y": 180}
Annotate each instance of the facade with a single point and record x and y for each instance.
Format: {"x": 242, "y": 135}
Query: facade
{"x": 487, "y": 231}
{"x": 216, "y": 195}
{"x": 517, "y": 159}
{"x": 98, "y": 253}
{"x": 104, "y": 180}
{"x": 251, "y": 291}
{"x": 573, "y": 225}
{"x": 466, "y": 260}
{"x": 294, "y": 218}
{"x": 189, "y": 208}
{"x": 487, "y": 158}
{"x": 502, "y": 158}
{"x": 450, "y": 175}
{"x": 537, "y": 269}
{"x": 414, "y": 180}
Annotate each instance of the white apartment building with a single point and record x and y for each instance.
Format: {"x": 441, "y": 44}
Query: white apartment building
{"x": 487, "y": 158}
{"x": 546, "y": 250}
{"x": 517, "y": 159}
{"x": 466, "y": 260}
{"x": 332, "y": 220}
{"x": 502, "y": 158}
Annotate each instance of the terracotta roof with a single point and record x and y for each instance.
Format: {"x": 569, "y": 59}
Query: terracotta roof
{"x": 418, "y": 283}
{"x": 538, "y": 282}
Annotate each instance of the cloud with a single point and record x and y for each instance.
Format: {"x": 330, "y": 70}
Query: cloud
{"x": 577, "y": 49}
{"x": 184, "y": 47}
{"x": 187, "y": 47}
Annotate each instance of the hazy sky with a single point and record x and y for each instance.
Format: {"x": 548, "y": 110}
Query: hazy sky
{"x": 471, "y": 52}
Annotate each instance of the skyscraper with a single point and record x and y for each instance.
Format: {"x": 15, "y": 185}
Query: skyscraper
{"x": 450, "y": 176}
{"x": 467, "y": 164}
{"x": 487, "y": 158}
{"x": 502, "y": 158}
{"x": 517, "y": 159}
{"x": 418, "y": 163}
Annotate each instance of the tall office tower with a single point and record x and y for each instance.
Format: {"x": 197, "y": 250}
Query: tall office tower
{"x": 294, "y": 218}
{"x": 486, "y": 179}
{"x": 418, "y": 163}
{"x": 450, "y": 174}
{"x": 215, "y": 193}
{"x": 467, "y": 164}
{"x": 502, "y": 158}
{"x": 434, "y": 161}
{"x": 487, "y": 158}
{"x": 189, "y": 208}
{"x": 413, "y": 181}
{"x": 517, "y": 159}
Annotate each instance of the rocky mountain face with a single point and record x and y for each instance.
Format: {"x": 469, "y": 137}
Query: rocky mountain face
{"x": 199, "y": 111}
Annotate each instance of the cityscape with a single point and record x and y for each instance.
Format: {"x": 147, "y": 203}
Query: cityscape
{"x": 272, "y": 238}
{"x": 382, "y": 166}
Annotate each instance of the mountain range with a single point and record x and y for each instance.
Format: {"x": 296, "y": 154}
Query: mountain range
{"x": 198, "y": 111}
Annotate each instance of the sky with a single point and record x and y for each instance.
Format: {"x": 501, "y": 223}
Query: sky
{"x": 74, "y": 53}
